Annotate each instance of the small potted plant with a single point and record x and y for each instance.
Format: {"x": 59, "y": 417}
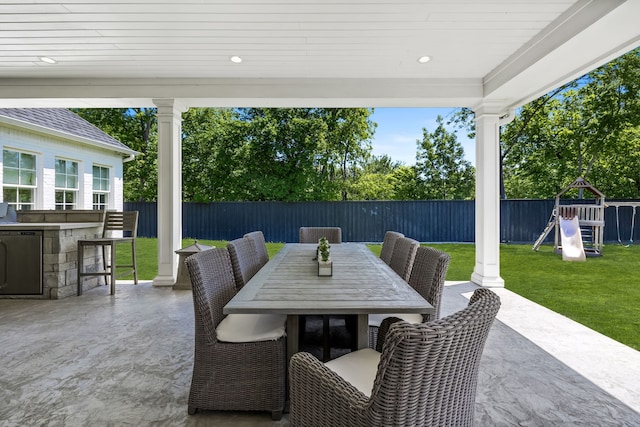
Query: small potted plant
{"x": 325, "y": 266}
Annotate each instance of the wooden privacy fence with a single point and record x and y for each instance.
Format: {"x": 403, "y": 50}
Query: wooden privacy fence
{"x": 522, "y": 221}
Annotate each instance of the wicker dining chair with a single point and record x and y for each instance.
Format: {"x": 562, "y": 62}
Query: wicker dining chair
{"x": 427, "y": 277}
{"x": 389, "y": 242}
{"x": 404, "y": 252}
{"x": 313, "y": 234}
{"x": 424, "y": 375}
{"x": 244, "y": 259}
{"x": 257, "y": 237}
{"x": 237, "y": 375}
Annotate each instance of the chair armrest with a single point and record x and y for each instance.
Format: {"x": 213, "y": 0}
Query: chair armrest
{"x": 321, "y": 397}
{"x": 382, "y": 332}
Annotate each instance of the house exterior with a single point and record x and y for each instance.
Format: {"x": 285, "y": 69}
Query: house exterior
{"x": 52, "y": 159}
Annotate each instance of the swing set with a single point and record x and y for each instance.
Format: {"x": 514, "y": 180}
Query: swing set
{"x": 619, "y": 205}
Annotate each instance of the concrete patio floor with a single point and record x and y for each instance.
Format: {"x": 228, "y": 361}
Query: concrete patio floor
{"x": 126, "y": 360}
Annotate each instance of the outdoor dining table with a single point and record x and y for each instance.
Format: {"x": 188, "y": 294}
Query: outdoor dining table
{"x": 361, "y": 284}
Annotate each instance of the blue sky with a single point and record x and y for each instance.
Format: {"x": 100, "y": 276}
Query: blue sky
{"x": 399, "y": 129}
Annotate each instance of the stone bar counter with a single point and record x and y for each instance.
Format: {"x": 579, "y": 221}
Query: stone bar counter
{"x": 61, "y": 231}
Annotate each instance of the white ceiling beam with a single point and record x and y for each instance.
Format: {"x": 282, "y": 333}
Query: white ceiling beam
{"x": 587, "y": 36}
{"x": 248, "y": 92}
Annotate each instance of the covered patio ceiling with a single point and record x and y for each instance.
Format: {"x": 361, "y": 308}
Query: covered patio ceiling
{"x": 304, "y": 52}
{"x": 489, "y": 55}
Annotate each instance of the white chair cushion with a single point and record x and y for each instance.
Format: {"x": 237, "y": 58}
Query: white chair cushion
{"x": 359, "y": 368}
{"x": 251, "y": 327}
{"x": 376, "y": 319}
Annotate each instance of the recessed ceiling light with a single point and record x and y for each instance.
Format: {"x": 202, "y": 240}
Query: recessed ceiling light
{"x": 424, "y": 59}
{"x": 235, "y": 59}
{"x": 47, "y": 60}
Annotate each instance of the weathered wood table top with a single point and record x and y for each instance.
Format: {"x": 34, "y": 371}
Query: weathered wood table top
{"x": 361, "y": 284}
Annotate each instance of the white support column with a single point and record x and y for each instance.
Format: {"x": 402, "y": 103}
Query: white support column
{"x": 169, "y": 190}
{"x": 487, "y": 268}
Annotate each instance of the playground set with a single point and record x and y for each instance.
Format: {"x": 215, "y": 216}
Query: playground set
{"x": 579, "y": 227}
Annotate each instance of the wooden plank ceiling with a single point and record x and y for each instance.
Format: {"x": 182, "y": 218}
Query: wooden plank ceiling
{"x": 470, "y": 43}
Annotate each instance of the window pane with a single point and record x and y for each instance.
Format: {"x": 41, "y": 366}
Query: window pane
{"x": 10, "y": 195}
{"x": 27, "y": 177}
{"x": 27, "y": 161}
{"x": 25, "y": 195}
{"x": 72, "y": 168}
{"x": 99, "y": 201}
{"x": 10, "y": 158}
{"x": 66, "y": 174}
{"x": 60, "y": 166}
{"x": 11, "y": 176}
{"x": 100, "y": 179}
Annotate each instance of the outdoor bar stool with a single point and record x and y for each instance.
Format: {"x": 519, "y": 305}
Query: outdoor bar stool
{"x": 125, "y": 227}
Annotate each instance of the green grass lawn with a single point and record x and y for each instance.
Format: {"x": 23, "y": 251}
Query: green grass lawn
{"x": 602, "y": 293}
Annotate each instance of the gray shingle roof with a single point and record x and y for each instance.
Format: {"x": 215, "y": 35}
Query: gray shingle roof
{"x": 63, "y": 120}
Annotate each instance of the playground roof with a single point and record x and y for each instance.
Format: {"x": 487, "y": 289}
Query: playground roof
{"x": 582, "y": 184}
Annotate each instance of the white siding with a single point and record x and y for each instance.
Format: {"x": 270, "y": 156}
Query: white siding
{"x": 47, "y": 149}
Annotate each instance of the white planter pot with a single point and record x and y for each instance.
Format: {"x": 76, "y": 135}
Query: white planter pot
{"x": 325, "y": 268}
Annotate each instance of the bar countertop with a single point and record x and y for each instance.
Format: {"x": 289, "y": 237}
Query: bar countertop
{"x": 48, "y": 225}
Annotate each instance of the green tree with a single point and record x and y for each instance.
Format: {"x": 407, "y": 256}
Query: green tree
{"x": 279, "y": 154}
{"x": 249, "y": 154}
{"x": 303, "y": 153}
{"x": 441, "y": 168}
{"x": 585, "y": 128}
{"x": 406, "y": 183}
{"x": 372, "y": 186}
{"x": 383, "y": 164}
{"x": 212, "y": 154}
{"x": 534, "y": 151}
{"x": 374, "y": 179}
{"x": 137, "y": 128}
{"x": 348, "y": 144}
